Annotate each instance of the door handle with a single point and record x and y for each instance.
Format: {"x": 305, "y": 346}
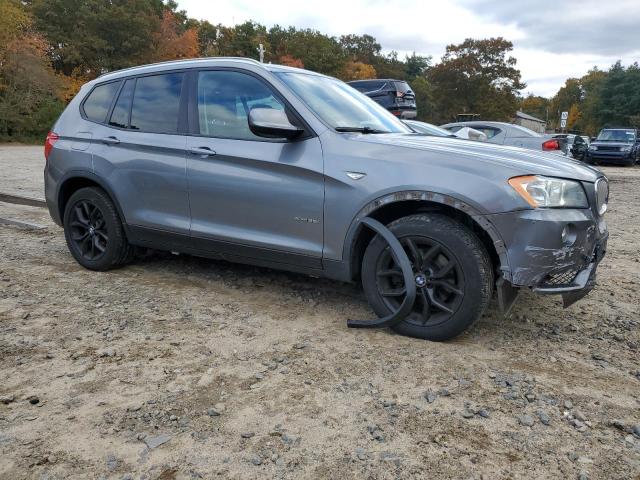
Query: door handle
{"x": 110, "y": 141}
{"x": 202, "y": 151}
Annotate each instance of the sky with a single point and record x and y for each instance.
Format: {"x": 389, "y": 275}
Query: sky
{"x": 553, "y": 39}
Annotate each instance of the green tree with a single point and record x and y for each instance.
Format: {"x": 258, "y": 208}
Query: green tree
{"x": 361, "y": 48}
{"x": 416, "y": 66}
{"x": 568, "y": 95}
{"x": 97, "y": 36}
{"x": 619, "y": 101}
{"x": 535, "y": 105}
{"x": 476, "y": 76}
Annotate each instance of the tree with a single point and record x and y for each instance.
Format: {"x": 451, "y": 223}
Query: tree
{"x": 619, "y": 101}
{"x": 535, "y": 105}
{"x": 574, "y": 116}
{"x": 424, "y": 101}
{"x": 98, "y": 36}
{"x": 389, "y": 66}
{"x": 290, "y": 61}
{"x": 568, "y": 95}
{"x": 357, "y": 71}
{"x": 172, "y": 43}
{"x": 361, "y": 48}
{"x": 416, "y": 66}
{"x": 29, "y": 89}
{"x": 476, "y": 76}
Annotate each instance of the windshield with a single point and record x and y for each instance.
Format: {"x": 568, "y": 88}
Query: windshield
{"x": 341, "y": 106}
{"x": 422, "y": 127}
{"x": 616, "y": 136}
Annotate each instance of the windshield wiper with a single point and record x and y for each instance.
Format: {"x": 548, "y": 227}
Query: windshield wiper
{"x": 359, "y": 130}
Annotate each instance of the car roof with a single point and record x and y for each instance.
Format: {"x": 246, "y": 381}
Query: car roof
{"x": 199, "y": 63}
{"x": 376, "y": 80}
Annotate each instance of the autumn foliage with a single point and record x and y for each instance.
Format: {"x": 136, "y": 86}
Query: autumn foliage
{"x": 50, "y": 48}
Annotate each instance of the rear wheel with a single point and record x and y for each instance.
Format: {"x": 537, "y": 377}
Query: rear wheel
{"x": 452, "y": 274}
{"x": 93, "y": 230}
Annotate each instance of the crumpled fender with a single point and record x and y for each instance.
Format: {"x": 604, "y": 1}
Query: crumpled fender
{"x": 401, "y": 258}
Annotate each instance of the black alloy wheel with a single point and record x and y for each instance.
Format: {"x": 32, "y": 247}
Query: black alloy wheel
{"x": 94, "y": 232}
{"x": 452, "y": 271}
{"x": 89, "y": 233}
{"x": 438, "y": 277}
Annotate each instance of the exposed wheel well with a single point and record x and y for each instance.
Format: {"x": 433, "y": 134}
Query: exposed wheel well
{"x": 393, "y": 211}
{"x": 71, "y": 186}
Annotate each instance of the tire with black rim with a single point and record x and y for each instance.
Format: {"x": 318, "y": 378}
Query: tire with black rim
{"x": 452, "y": 272}
{"x": 94, "y": 232}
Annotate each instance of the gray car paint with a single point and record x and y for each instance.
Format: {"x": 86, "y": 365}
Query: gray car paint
{"x": 292, "y": 204}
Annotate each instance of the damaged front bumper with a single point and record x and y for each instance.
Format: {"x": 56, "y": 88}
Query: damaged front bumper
{"x": 550, "y": 251}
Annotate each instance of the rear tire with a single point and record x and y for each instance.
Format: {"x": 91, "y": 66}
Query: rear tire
{"x": 94, "y": 232}
{"x": 451, "y": 262}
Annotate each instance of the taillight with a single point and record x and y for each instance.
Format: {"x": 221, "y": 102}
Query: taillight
{"x": 551, "y": 145}
{"x": 48, "y": 143}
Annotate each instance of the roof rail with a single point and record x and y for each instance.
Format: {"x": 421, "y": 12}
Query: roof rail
{"x": 182, "y": 60}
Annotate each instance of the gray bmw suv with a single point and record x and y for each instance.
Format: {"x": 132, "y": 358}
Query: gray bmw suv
{"x": 280, "y": 167}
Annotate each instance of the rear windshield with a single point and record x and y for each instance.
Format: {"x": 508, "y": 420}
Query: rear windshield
{"x": 366, "y": 86}
{"x": 523, "y": 132}
{"x": 402, "y": 87}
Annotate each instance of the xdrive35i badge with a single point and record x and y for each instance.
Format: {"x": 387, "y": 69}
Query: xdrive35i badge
{"x": 307, "y": 220}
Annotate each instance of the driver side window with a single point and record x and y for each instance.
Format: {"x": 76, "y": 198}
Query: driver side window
{"x": 225, "y": 99}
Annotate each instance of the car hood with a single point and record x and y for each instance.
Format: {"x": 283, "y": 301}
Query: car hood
{"x": 611, "y": 144}
{"x": 519, "y": 161}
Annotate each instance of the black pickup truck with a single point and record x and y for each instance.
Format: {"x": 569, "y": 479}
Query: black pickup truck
{"x": 615, "y": 145}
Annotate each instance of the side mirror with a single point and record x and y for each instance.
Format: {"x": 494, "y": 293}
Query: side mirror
{"x": 272, "y": 123}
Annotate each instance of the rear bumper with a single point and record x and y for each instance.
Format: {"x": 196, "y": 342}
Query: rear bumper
{"x": 404, "y": 111}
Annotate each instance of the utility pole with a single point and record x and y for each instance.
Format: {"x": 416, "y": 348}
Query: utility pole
{"x": 261, "y": 52}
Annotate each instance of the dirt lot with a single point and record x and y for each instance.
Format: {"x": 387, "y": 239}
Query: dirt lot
{"x": 179, "y": 367}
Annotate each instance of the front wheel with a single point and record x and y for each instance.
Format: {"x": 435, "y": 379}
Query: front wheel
{"x": 452, "y": 273}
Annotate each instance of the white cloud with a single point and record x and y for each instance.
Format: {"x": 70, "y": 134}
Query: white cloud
{"x": 424, "y": 27}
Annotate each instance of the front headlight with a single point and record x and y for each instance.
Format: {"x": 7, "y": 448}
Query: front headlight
{"x": 625, "y": 149}
{"x": 592, "y": 148}
{"x": 540, "y": 191}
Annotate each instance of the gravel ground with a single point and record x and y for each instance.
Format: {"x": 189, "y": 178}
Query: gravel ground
{"x": 179, "y": 367}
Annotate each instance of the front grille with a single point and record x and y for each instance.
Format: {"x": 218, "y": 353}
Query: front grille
{"x": 604, "y": 148}
{"x": 564, "y": 279}
{"x": 602, "y": 195}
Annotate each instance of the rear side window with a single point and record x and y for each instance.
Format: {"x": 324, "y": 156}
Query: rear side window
{"x": 120, "y": 115}
{"x": 156, "y": 102}
{"x": 97, "y": 104}
{"x": 490, "y": 132}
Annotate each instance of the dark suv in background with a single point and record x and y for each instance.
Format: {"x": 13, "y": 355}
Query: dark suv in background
{"x": 394, "y": 95}
{"x": 615, "y": 145}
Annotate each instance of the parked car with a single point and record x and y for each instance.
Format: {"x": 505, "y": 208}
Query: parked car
{"x": 394, "y": 95}
{"x": 429, "y": 129}
{"x": 285, "y": 168}
{"x": 513, "y": 135}
{"x": 615, "y": 145}
{"x": 576, "y": 144}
